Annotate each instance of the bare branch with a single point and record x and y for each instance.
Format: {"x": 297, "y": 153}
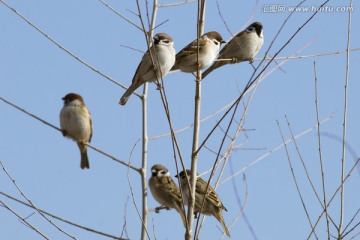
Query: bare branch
{"x": 343, "y": 234}
{"x": 144, "y": 226}
{"x": 61, "y": 219}
{"x": 320, "y": 153}
{"x": 138, "y": 50}
{"x": 342, "y": 199}
{"x": 276, "y": 149}
{"x": 295, "y": 180}
{"x": 31, "y": 203}
{"x": 120, "y": 15}
{"x": 196, "y": 131}
{"x": 64, "y": 49}
{"x": 305, "y": 56}
{"x": 23, "y": 219}
{"x": 176, "y": 4}
{"x": 335, "y": 193}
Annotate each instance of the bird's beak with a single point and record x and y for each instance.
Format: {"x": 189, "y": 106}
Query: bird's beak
{"x": 176, "y": 176}
{"x": 222, "y": 41}
{"x": 156, "y": 40}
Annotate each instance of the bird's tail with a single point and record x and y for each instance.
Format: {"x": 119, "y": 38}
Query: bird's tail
{"x": 127, "y": 94}
{"x": 220, "y": 218}
{"x": 182, "y": 215}
{"x": 84, "y": 157}
{"x": 212, "y": 68}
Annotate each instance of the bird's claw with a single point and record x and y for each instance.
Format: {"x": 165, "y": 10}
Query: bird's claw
{"x": 158, "y": 86}
{"x": 234, "y": 60}
{"x": 64, "y": 132}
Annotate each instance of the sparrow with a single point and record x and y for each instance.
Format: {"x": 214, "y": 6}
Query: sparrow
{"x": 243, "y": 47}
{"x": 212, "y": 204}
{"x": 209, "y": 46}
{"x": 165, "y": 191}
{"x": 163, "y": 54}
{"x": 76, "y": 124}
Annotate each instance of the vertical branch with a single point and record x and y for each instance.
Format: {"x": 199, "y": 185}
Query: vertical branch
{"x": 320, "y": 153}
{"x": 200, "y": 30}
{"x": 145, "y": 138}
{"x": 344, "y": 124}
{"x": 145, "y": 141}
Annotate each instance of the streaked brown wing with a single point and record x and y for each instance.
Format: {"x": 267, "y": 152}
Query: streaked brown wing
{"x": 168, "y": 185}
{"x": 211, "y": 194}
{"x": 144, "y": 66}
{"x": 191, "y": 48}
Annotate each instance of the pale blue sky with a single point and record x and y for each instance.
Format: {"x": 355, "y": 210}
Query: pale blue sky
{"x": 35, "y": 74}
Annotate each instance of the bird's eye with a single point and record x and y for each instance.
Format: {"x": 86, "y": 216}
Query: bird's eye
{"x": 250, "y": 29}
{"x": 163, "y": 172}
{"x": 216, "y": 42}
{"x": 166, "y": 41}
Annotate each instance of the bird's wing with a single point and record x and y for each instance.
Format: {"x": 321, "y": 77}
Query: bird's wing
{"x": 168, "y": 185}
{"x": 191, "y": 48}
{"x": 211, "y": 194}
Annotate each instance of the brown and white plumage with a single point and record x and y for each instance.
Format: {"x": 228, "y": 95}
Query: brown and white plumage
{"x": 212, "y": 205}
{"x": 163, "y": 54}
{"x": 76, "y": 124}
{"x": 243, "y": 47}
{"x": 209, "y": 46}
{"x": 165, "y": 191}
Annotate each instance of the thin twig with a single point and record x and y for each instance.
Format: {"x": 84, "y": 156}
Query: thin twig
{"x": 320, "y": 153}
{"x": 295, "y": 180}
{"x": 223, "y": 19}
{"x": 343, "y": 234}
{"x": 124, "y": 229}
{"x": 275, "y": 149}
{"x": 305, "y": 169}
{"x": 64, "y": 49}
{"x": 144, "y": 227}
{"x": 241, "y": 205}
{"x": 31, "y": 203}
{"x": 342, "y": 199}
{"x": 120, "y": 15}
{"x": 61, "y": 219}
{"x": 176, "y": 4}
{"x": 335, "y": 193}
{"x": 305, "y": 56}
{"x": 23, "y": 219}
{"x": 355, "y": 236}
{"x": 137, "y": 50}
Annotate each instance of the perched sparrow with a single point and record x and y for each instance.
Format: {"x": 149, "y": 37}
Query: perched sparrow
{"x": 209, "y": 46}
{"x": 76, "y": 124}
{"x": 163, "y": 54}
{"x": 243, "y": 47}
{"x": 165, "y": 190}
{"x": 212, "y": 204}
